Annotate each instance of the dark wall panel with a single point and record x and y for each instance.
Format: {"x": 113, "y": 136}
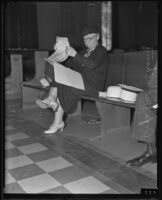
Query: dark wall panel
{"x": 49, "y": 23}
{"x": 10, "y": 25}
{"x": 20, "y": 25}
{"x": 36, "y": 24}
{"x": 147, "y": 24}
{"x": 130, "y": 68}
{"x": 65, "y": 19}
{"x": 74, "y": 18}
{"x": 135, "y": 24}
{"x": 126, "y": 34}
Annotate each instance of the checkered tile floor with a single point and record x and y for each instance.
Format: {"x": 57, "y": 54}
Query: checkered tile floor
{"x": 31, "y": 167}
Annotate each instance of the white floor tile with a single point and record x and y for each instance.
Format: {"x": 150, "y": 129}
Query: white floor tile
{"x": 54, "y": 164}
{"x": 9, "y": 178}
{"x": 17, "y": 161}
{"x": 17, "y": 136}
{"x": 38, "y": 184}
{"x": 32, "y": 148}
{"x": 86, "y": 185}
{"x": 9, "y": 145}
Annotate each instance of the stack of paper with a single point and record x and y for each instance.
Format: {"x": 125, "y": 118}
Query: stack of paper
{"x": 60, "y": 50}
{"x": 67, "y": 76}
{"x": 61, "y": 44}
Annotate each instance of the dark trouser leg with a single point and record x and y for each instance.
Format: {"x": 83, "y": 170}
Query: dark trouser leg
{"x": 90, "y": 113}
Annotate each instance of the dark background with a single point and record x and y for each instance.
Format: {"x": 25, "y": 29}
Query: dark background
{"x": 35, "y": 25}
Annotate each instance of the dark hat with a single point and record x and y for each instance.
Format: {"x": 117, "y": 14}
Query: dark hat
{"x": 89, "y": 30}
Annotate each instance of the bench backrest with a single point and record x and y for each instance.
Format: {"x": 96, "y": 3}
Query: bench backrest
{"x": 130, "y": 68}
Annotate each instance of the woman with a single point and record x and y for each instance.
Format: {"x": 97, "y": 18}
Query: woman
{"x": 92, "y": 64}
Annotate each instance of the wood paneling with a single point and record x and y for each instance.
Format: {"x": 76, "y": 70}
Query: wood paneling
{"x": 130, "y": 68}
{"x": 115, "y": 69}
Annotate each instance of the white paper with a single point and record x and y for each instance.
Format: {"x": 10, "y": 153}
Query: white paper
{"x": 67, "y": 76}
{"x": 58, "y": 56}
{"x": 61, "y": 44}
{"x": 60, "y": 50}
{"x": 51, "y": 61}
{"x": 131, "y": 88}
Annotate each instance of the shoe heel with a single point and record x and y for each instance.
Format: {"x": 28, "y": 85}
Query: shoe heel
{"x": 55, "y": 108}
{"x": 62, "y": 126}
{"x": 61, "y": 129}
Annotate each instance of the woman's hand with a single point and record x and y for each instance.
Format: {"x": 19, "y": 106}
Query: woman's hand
{"x": 70, "y": 51}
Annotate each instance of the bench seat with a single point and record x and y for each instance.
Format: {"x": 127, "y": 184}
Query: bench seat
{"x": 117, "y": 102}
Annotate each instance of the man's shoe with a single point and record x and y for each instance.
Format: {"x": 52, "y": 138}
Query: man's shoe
{"x": 92, "y": 121}
{"x": 141, "y": 160}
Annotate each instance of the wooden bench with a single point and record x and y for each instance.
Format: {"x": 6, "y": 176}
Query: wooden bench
{"x": 116, "y": 102}
{"x": 128, "y": 68}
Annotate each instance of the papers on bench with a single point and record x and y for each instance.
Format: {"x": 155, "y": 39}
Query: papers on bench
{"x": 130, "y": 88}
{"x": 122, "y": 93}
{"x": 67, "y": 76}
{"x": 104, "y": 95}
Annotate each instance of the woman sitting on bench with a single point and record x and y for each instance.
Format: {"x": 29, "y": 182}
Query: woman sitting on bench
{"x": 92, "y": 63}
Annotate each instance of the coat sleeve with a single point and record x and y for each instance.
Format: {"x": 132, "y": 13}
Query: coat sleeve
{"x": 94, "y": 60}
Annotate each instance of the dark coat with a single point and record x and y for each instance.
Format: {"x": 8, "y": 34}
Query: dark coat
{"x": 145, "y": 118}
{"x": 94, "y": 72}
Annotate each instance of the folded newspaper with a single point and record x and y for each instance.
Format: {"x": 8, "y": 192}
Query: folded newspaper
{"x": 67, "y": 76}
{"x": 60, "y": 50}
{"x": 61, "y": 43}
{"x": 62, "y": 74}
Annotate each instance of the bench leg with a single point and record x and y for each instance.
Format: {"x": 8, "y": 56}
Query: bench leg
{"x": 113, "y": 117}
{"x": 132, "y": 111}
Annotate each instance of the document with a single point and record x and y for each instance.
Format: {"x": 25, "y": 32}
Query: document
{"x": 61, "y": 44}
{"x": 60, "y": 50}
{"x": 67, "y": 76}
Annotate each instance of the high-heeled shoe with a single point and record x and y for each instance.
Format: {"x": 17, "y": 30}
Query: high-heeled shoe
{"x": 46, "y": 103}
{"x": 42, "y": 103}
{"x": 55, "y": 128}
{"x": 54, "y": 105}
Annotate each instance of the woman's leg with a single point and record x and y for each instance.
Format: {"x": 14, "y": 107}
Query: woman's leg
{"x": 50, "y": 100}
{"x": 58, "y": 116}
{"x": 58, "y": 123}
{"x": 53, "y": 93}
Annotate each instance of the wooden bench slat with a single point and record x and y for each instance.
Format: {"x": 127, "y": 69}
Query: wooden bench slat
{"x": 36, "y": 87}
{"x": 94, "y": 98}
{"x": 117, "y": 102}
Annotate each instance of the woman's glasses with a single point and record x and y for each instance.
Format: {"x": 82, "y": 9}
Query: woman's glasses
{"x": 89, "y": 38}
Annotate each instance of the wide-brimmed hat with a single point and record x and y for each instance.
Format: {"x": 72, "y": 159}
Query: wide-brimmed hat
{"x": 89, "y": 30}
